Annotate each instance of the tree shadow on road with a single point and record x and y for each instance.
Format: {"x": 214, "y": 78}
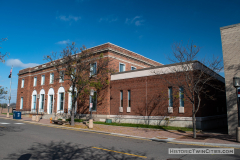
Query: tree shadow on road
{"x": 68, "y": 151}
{"x": 5, "y": 129}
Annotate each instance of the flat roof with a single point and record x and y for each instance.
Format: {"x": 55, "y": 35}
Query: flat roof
{"x": 230, "y": 26}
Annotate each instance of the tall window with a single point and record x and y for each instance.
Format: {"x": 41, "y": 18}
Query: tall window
{"x": 22, "y": 85}
{"x": 129, "y": 98}
{"x": 35, "y": 81}
{"x": 121, "y": 98}
{"x": 50, "y": 104}
{"x": 34, "y": 101}
{"x": 133, "y": 68}
{"x": 42, "y": 101}
{"x": 61, "y": 76}
{"x": 170, "y": 97}
{"x": 51, "y": 77}
{"x": 93, "y": 69}
{"x": 61, "y": 95}
{"x": 93, "y": 99}
{"x": 181, "y": 94}
{"x": 43, "y": 80}
{"x": 121, "y": 67}
{"x": 21, "y": 103}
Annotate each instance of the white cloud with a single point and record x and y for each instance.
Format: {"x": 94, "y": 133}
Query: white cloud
{"x": 137, "y": 20}
{"x": 69, "y": 18}
{"x": 108, "y": 19}
{"x": 63, "y": 42}
{"x": 18, "y": 63}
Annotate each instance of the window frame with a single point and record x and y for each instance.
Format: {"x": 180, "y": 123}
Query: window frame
{"x": 21, "y": 103}
{"x": 123, "y": 67}
{"x": 51, "y": 79}
{"x": 43, "y": 79}
{"x": 170, "y": 96}
{"x": 129, "y": 98}
{"x": 61, "y": 102}
{"x": 121, "y": 98}
{"x": 133, "y": 67}
{"x": 22, "y": 84}
{"x": 42, "y": 101}
{"x": 91, "y": 71}
{"x": 61, "y": 73}
{"x": 181, "y": 97}
{"x": 35, "y": 81}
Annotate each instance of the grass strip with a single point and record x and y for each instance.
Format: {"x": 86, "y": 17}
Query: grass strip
{"x": 146, "y": 126}
{"x": 9, "y": 113}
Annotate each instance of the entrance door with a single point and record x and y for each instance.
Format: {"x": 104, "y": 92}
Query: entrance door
{"x": 51, "y": 104}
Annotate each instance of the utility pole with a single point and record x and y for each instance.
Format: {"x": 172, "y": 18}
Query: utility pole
{"x": 10, "y": 92}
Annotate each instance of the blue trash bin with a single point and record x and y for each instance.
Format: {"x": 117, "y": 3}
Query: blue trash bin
{"x": 17, "y": 115}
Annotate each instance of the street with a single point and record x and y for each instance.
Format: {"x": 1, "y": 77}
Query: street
{"x": 23, "y": 141}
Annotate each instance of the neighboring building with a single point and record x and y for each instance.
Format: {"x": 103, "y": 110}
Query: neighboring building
{"x": 231, "y": 55}
{"x": 133, "y": 96}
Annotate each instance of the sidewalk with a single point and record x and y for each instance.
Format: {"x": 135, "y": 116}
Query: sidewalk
{"x": 172, "y": 136}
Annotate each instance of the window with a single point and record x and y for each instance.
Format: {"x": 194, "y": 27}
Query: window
{"x": 129, "y": 98}
{"x": 93, "y": 69}
{"x": 34, "y": 101}
{"x": 133, "y": 68}
{"x": 93, "y": 100}
{"x": 42, "y": 101}
{"x": 51, "y": 78}
{"x": 121, "y": 98}
{"x": 181, "y": 95}
{"x": 61, "y": 76}
{"x": 22, "y": 85}
{"x": 43, "y": 80}
{"x": 121, "y": 67}
{"x": 35, "y": 81}
{"x": 61, "y": 95}
{"x": 170, "y": 97}
{"x": 50, "y": 104}
{"x": 21, "y": 103}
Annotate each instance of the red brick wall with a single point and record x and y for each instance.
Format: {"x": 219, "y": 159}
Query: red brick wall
{"x": 151, "y": 94}
{"x": 103, "y": 106}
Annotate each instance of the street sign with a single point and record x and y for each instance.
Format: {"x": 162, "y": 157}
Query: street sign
{"x": 91, "y": 104}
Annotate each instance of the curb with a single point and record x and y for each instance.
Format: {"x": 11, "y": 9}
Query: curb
{"x": 197, "y": 143}
{"x": 168, "y": 140}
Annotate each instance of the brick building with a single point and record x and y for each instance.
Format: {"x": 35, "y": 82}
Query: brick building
{"x": 230, "y": 36}
{"x": 134, "y": 95}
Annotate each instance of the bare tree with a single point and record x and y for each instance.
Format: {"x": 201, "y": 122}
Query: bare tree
{"x": 195, "y": 79}
{"x": 3, "y": 92}
{"x": 78, "y": 67}
{"x": 1, "y": 54}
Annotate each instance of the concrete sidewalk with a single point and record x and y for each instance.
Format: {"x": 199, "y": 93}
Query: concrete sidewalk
{"x": 171, "y": 136}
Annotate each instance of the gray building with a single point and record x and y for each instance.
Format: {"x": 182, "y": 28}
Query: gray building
{"x": 230, "y": 36}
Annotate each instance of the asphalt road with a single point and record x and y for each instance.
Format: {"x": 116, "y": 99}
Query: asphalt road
{"x": 23, "y": 141}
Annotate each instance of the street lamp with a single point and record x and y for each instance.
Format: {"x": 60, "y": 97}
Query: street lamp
{"x": 236, "y": 84}
{"x": 91, "y": 105}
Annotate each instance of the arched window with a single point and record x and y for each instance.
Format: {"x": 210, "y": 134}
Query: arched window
{"x": 70, "y": 100}
{"x": 61, "y": 99}
{"x": 34, "y": 101}
{"x": 50, "y": 101}
{"x": 41, "y": 100}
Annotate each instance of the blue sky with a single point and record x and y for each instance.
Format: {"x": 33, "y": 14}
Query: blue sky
{"x": 147, "y": 27}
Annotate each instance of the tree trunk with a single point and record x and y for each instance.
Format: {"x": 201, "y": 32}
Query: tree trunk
{"x": 73, "y": 106}
{"x": 72, "y": 116}
{"x": 194, "y": 122}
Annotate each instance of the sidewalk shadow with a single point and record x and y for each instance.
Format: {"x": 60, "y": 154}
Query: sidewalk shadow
{"x": 68, "y": 151}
